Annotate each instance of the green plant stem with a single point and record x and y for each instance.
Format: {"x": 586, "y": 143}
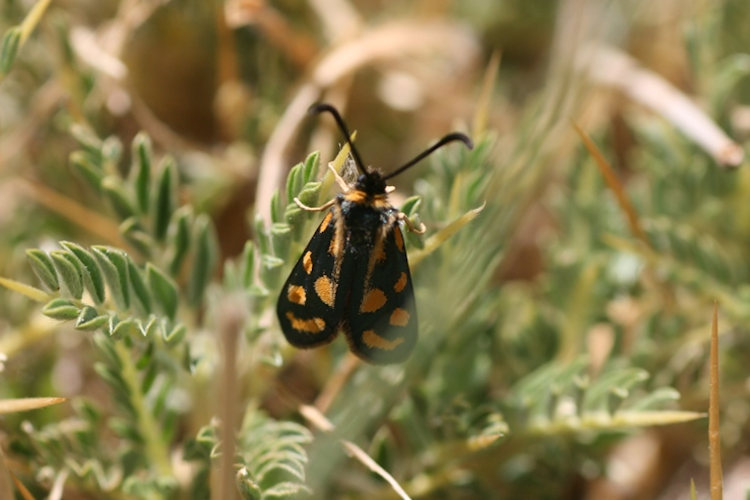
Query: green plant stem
{"x": 156, "y": 449}
{"x": 33, "y": 18}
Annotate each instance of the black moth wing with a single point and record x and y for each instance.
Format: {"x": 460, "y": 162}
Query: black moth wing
{"x": 380, "y": 321}
{"x": 309, "y": 306}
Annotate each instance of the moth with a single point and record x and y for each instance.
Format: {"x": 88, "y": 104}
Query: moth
{"x": 353, "y": 276}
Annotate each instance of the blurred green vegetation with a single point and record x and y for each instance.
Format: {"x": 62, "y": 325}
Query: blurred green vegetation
{"x": 146, "y": 187}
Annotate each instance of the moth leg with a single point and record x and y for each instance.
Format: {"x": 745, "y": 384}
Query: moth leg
{"x": 418, "y": 230}
{"x": 324, "y": 206}
{"x": 339, "y": 180}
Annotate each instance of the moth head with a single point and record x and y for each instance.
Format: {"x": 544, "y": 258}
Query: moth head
{"x": 371, "y": 182}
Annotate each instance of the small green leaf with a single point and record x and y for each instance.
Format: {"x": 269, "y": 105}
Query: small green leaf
{"x": 179, "y": 238}
{"x": 117, "y": 197}
{"x": 615, "y": 379}
{"x": 132, "y": 230}
{"x": 149, "y": 377}
{"x": 68, "y": 272}
{"x": 42, "y": 266}
{"x": 285, "y": 489}
{"x": 142, "y": 155}
{"x": 175, "y": 335}
{"x": 106, "y": 346}
{"x": 654, "y": 399}
{"x": 310, "y": 170}
{"x": 9, "y": 49}
{"x": 275, "y": 207}
{"x": 205, "y": 258}
{"x": 261, "y": 235}
{"x": 112, "y": 152}
{"x": 90, "y": 319}
{"x": 88, "y": 141}
{"x": 281, "y": 236}
{"x": 247, "y": 486}
{"x": 258, "y": 291}
{"x": 411, "y": 205}
{"x": 293, "y": 216}
{"x": 309, "y": 193}
{"x": 125, "y": 429}
{"x": 153, "y": 327}
{"x": 248, "y": 264}
{"x": 165, "y": 198}
{"x": 146, "y": 357}
{"x": 140, "y": 290}
{"x": 93, "y": 278}
{"x": 299, "y": 181}
{"x": 269, "y": 272}
{"x": 163, "y": 289}
{"x": 114, "y": 267}
{"x": 111, "y": 377}
{"x": 61, "y": 309}
{"x": 293, "y": 182}
{"x": 81, "y": 161}
{"x": 125, "y": 328}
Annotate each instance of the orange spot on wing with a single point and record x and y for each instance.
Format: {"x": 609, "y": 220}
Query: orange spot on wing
{"x": 399, "y": 239}
{"x": 372, "y": 339}
{"x": 325, "y": 289}
{"x": 307, "y": 262}
{"x": 379, "y": 251}
{"x": 372, "y": 301}
{"x": 399, "y": 317}
{"x": 326, "y": 221}
{"x": 312, "y": 325}
{"x": 296, "y": 294}
{"x": 401, "y": 283}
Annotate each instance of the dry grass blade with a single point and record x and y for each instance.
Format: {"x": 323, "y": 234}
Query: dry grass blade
{"x": 25, "y": 493}
{"x": 483, "y": 106}
{"x": 75, "y": 212}
{"x": 371, "y": 464}
{"x": 616, "y": 69}
{"x": 320, "y": 422}
{"x": 6, "y": 490}
{"x": 316, "y": 418}
{"x": 714, "y": 436}
{"x": 437, "y": 239}
{"x": 605, "y": 421}
{"x": 614, "y": 184}
{"x": 26, "y": 404}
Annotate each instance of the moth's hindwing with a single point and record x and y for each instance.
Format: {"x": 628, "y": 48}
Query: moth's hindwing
{"x": 381, "y": 319}
{"x": 309, "y": 307}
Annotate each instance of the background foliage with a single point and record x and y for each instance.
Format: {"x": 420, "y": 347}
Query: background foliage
{"x": 147, "y": 224}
